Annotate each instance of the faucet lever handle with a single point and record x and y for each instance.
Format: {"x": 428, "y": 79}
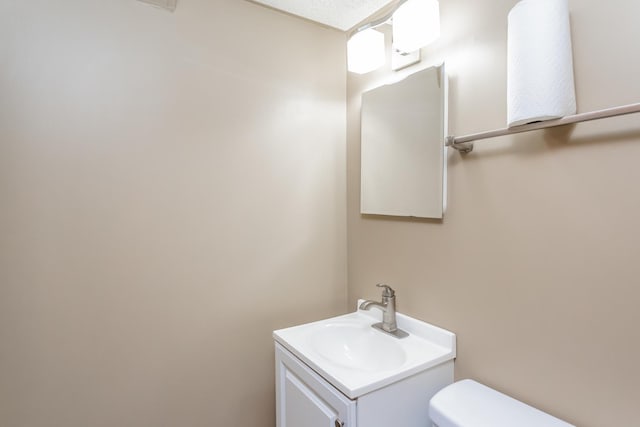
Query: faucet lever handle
{"x": 387, "y": 291}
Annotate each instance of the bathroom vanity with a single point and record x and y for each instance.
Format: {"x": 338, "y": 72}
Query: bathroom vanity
{"x": 342, "y": 372}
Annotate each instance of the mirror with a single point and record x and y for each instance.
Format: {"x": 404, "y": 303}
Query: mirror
{"x": 402, "y": 146}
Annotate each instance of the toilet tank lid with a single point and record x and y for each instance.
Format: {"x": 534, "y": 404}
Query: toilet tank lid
{"x": 468, "y": 403}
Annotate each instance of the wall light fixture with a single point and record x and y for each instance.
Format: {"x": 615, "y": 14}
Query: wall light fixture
{"x": 416, "y": 23}
{"x": 365, "y": 51}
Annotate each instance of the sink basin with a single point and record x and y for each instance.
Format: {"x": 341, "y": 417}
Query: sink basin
{"x": 358, "y": 359}
{"x": 355, "y": 345}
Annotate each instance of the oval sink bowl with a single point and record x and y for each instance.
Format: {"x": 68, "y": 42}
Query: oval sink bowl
{"x": 358, "y": 359}
{"x": 357, "y": 346}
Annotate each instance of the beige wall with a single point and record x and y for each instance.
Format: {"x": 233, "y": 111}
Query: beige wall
{"x": 172, "y": 189}
{"x": 161, "y": 173}
{"x": 535, "y": 264}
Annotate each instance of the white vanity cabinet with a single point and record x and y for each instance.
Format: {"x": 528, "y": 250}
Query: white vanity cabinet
{"x": 305, "y": 399}
{"x": 341, "y": 372}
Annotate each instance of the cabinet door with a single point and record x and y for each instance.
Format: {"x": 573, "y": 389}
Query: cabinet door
{"x": 304, "y": 399}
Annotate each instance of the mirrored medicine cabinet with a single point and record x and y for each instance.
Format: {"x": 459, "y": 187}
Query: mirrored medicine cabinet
{"x": 403, "y": 128}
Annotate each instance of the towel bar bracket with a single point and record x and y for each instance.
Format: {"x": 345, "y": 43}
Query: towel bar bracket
{"x": 462, "y": 147}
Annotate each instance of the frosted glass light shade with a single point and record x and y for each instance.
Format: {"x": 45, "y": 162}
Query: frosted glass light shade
{"x": 365, "y": 51}
{"x": 416, "y": 24}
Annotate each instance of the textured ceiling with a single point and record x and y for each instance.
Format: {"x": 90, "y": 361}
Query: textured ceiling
{"x": 340, "y": 14}
{"x": 165, "y": 4}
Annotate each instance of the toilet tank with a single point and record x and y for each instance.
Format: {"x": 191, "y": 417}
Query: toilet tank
{"x": 468, "y": 403}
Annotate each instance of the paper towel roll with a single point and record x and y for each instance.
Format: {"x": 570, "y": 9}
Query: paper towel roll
{"x": 539, "y": 62}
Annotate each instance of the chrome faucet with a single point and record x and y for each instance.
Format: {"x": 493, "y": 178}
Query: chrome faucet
{"x": 388, "y": 307}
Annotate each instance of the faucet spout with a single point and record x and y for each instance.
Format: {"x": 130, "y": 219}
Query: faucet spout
{"x": 388, "y": 307}
{"x": 368, "y": 304}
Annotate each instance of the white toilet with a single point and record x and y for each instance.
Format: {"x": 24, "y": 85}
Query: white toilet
{"x": 467, "y": 403}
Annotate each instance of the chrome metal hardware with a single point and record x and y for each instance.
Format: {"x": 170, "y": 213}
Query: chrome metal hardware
{"x": 387, "y": 291}
{"x": 339, "y": 423}
{"x": 464, "y": 144}
{"x": 388, "y": 307}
